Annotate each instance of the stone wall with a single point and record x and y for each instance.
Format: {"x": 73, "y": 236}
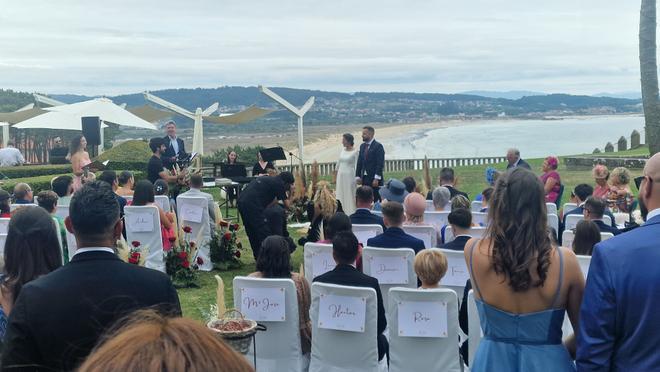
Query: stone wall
{"x": 586, "y": 163}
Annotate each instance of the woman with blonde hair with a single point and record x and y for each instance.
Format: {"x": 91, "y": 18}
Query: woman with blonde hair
{"x": 149, "y": 342}
{"x": 320, "y": 209}
{"x": 620, "y": 194}
{"x": 601, "y": 175}
{"x": 430, "y": 266}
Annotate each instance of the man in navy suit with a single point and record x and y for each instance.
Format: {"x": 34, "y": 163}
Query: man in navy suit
{"x": 345, "y": 251}
{"x": 513, "y": 157}
{"x": 594, "y": 208}
{"x": 460, "y": 220}
{"x": 394, "y": 236}
{"x": 175, "y": 146}
{"x": 619, "y": 317}
{"x": 364, "y": 199}
{"x": 369, "y": 169}
{"x": 447, "y": 179}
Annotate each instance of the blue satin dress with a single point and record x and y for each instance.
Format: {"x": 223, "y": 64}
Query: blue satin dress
{"x": 521, "y": 342}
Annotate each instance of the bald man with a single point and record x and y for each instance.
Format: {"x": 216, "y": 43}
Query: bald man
{"x": 620, "y": 313}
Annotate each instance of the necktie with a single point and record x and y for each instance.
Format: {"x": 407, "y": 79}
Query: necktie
{"x": 366, "y": 152}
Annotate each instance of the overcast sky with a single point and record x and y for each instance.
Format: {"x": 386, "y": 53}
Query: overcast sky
{"x": 118, "y": 46}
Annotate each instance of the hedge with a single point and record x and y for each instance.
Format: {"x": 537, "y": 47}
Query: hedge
{"x": 35, "y": 170}
{"x": 130, "y": 155}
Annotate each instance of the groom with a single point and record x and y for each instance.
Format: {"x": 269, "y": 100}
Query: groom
{"x": 369, "y": 170}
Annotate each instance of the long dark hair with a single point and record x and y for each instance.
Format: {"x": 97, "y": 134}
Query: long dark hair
{"x": 143, "y": 193}
{"x": 31, "y": 250}
{"x": 518, "y": 229}
{"x": 587, "y": 234}
{"x": 275, "y": 258}
{"x": 75, "y": 144}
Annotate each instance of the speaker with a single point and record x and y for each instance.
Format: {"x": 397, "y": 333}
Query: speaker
{"x": 91, "y": 128}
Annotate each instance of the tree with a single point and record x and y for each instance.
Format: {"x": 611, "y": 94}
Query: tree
{"x": 649, "y": 74}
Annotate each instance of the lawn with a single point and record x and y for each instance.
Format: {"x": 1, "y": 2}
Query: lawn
{"x": 196, "y": 301}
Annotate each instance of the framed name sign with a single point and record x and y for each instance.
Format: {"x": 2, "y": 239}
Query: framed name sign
{"x": 140, "y": 222}
{"x": 263, "y": 304}
{"x": 422, "y": 319}
{"x": 343, "y": 313}
{"x": 389, "y": 270}
{"x": 322, "y": 262}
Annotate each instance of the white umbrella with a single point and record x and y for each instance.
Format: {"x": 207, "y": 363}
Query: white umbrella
{"x": 53, "y": 120}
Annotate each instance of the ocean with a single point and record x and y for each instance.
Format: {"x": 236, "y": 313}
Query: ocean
{"x": 534, "y": 138}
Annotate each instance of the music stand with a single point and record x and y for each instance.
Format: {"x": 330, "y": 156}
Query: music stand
{"x": 272, "y": 154}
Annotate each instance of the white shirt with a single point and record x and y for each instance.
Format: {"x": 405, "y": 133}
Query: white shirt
{"x": 94, "y": 249}
{"x": 10, "y": 156}
{"x": 653, "y": 213}
{"x": 175, "y": 145}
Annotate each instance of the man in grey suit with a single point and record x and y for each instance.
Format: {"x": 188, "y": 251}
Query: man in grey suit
{"x": 513, "y": 157}
{"x": 196, "y": 183}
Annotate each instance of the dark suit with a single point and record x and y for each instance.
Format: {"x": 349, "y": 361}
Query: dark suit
{"x": 458, "y": 244}
{"x": 395, "y": 237}
{"x": 169, "y": 153}
{"x": 580, "y": 211}
{"x": 370, "y": 165}
{"x": 365, "y": 217}
{"x": 59, "y": 317}
{"x": 521, "y": 164}
{"x": 452, "y": 192}
{"x": 619, "y": 316}
{"x": 350, "y": 276}
{"x": 605, "y": 228}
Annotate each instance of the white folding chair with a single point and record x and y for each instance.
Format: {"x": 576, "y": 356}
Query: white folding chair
{"x": 62, "y": 211}
{"x": 59, "y": 238}
{"x": 338, "y": 350}
{"x": 194, "y": 212}
{"x": 317, "y": 260}
{"x": 366, "y": 232}
{"x": 378, "y": 213}
{"x": 584, "y": 262}
{"x": 476, "y": 206}
{"x": 71, "y": 244}
{"x": 429, "y": 206}
{"x": 3, "y": 240}
{"x": 129, "y": 198}
{"x": 605, "y": 236}
{"x": 457, "y": 272}
{"x": 475, "y": 232}
{"x": 438, "y": 350}
{"x": 143, "y": 225}
{"x": 474, "y": 327}
{"x": 426, "y": 233}
{"x": 607, "y": 220}
{"x": 437, "y": 219}
{"x": 4, "y": 225}
{"x": 569, "y": 207}
{"x": 567, "y": 238}
{"x": 381, "y": 263}
{"x": 480, "y": 218}
{"x": 553, "y": 221}
{"x": 278, "y": 348}
{"x": 13, "y": 207}
{"x": 163, "y": 202}
{"x": 571, "y": 221}
{"x": 551, "y": 208}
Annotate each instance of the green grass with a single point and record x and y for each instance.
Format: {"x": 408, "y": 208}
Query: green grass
{"x": 471, "y": 179}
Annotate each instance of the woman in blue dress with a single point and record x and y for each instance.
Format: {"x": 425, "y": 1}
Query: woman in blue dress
{"x": 523, "y": 284}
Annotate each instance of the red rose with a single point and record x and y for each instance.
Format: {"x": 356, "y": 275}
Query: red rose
{"x": 187, "y": 229}
{"x": 227, "y": 236}
{"x": 167, "y": 249}
{"x": 135, "y": 254}
{"x": 200, "y": 261}
{"x": 172, "y": 239}
{"x": 185, "y": 264}
{"x": 135, "y": 243}
{"x": 192, "y": 244}
{"x": 183, "y": 255}
{"x": 133, "y": 261}
{"x": 236, "y": 226}
{"x": 237, "y": 254}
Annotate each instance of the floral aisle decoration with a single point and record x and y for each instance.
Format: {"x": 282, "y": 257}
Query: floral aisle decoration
{"x": 299, "y": 199}
{"x": 226, "y": 248}
{"x": 182, "y": 262}
{"x": 133, "y": 254}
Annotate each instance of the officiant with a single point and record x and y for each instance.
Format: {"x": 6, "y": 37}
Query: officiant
{"x": 176, "y": 149}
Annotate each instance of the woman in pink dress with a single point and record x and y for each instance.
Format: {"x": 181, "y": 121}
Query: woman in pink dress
{"x": 601, "y": 175}
{"x": 79, "y": 160}
{"x": 550, "y": 179}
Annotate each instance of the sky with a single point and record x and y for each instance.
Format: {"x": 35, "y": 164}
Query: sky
{"x": 116, "y": 47}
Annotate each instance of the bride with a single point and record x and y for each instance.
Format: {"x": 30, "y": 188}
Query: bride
{"x": 346, "y": 174}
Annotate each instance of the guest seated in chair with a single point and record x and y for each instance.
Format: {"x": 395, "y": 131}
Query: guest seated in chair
{"x": 5, "y": 208}
{"x": 430, "y": 266}
{"x": 414, "y": 206}
{"x": 144, "y": 195}
{"x": 48, "y": 200}
{"x": 320, "y": 209}
{"x": 394, "y": 236}
{"x": 196, "y": 183}
{"x": 364, "y": 200}
{"x": 485, "y": 198}
{"x": 110, "y": 177}
{"x": 275, "y": 262}
{"x": 162, "y": 188}
{"x": 126, "y": 184}
{"x": 579, "y": 196}
{"x": 587, "y": 234}
{"x": 447, "y": 179}
{"x": 23, "y": 194}
{"x": 594, "y": 209}
{"x": 460, "y": 221}
{"x": 441, "y": 197}
{"x": 345, "y": 251}
{"x": 63, "y": 187}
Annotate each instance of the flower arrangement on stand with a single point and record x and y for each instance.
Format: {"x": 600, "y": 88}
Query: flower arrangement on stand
{"x": 226, "y": 248}
{"x": 299, "y": 199}
{"x": 182, "y": 262}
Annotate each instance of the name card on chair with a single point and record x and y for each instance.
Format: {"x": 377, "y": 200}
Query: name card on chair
{"x": 322, "y": 262}
{"x": 343, "y": 313}
{"x": 140, "y": 222}
{"x": 422, "y": 319}
{"x": 389, "y": 270}
{"x": 457, "y": 271}
{"x": 191, "y": 213}
{"x": 263, "y": 304}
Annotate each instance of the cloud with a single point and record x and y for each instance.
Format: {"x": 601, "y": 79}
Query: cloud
{"x": 124, "y": 46}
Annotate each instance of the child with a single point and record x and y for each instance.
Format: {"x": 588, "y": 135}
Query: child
{"x": 620, "y": 194}
{"x": 430, "y": 266}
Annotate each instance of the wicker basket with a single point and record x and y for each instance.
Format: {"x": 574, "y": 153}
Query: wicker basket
{"x": 240, "y": 340}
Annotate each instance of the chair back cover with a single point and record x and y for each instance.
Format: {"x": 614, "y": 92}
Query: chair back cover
{"x": 480, "y": 218}
{"x": 417, "y": 353}
{"x": 457, "y": 272}
{"x": 476, "y": 206}
{"x": 474, "y": 327}
{"x": 143, "y": 225}
{"x": 62, "y": 211}
{"x": 429, "y": 205}
{"x": 553, "y": 221}
{"x": 551, "y": 208}
{"x": 366, "y": 232}
{"x": 193, "y": 211}
{"x": 437, "y": 219}
{"x": 317, "y": 260}
{"x": 278, "y": 348}
{"x": 475, "y": 232}
{"x": 4, "y": 225}
{"x": 426, "y": 233}
{"x": 163, "y": 202}
{"x": 13, "y": 207}
{"x": 381, "y": 263}
{"x": 344, "y": 351}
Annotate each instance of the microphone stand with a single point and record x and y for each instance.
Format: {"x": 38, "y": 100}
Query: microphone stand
{"x": 291, "y": 156}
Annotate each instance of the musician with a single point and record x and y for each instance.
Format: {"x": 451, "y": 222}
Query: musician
{"x": 155, "y": 167}
{"x": 232, "y": 159}
{"x": 175, "y": 147}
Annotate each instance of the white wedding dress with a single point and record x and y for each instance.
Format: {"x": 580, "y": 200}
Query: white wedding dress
{"x": 346, "y": 179}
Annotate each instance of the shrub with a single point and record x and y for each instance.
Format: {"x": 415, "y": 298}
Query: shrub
{"x": 130, "y": 155}
{"x": 35, "y": 170}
